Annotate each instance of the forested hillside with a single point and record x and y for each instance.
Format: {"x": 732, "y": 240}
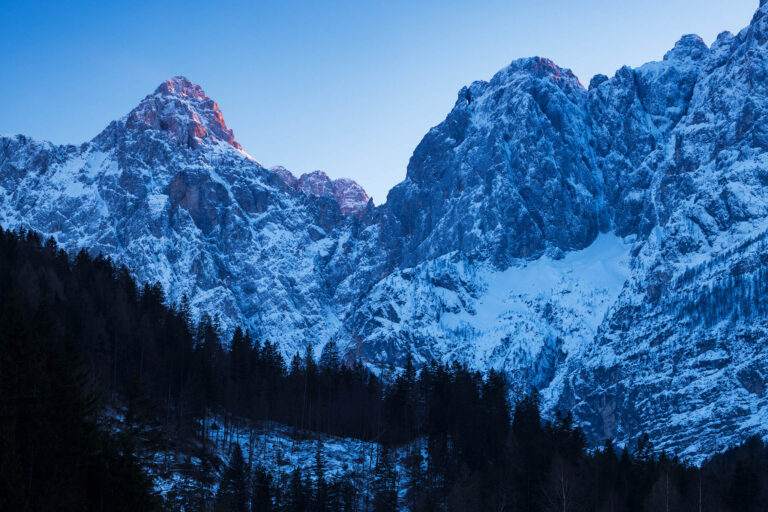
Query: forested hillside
{"x": 102, "y": 382}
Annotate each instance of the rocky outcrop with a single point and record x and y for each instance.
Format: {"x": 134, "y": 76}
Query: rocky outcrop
{"x": 351, "y": 197}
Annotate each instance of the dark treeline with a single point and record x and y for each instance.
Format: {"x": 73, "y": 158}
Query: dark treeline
{"x": 97, "y": 375}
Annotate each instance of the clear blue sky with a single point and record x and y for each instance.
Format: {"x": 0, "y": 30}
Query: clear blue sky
{"x": 349, "y": 87}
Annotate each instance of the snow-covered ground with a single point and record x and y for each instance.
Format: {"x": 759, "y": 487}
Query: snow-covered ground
{"x": 279, "y": 450}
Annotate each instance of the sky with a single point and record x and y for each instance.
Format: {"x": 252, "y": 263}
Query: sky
{"x": 348, "y": 87}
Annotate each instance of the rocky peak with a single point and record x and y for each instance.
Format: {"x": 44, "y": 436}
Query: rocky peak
{"x": 316, "y": 183}
{"x": 285, "y": 175}
{"x": 181, "y": 85}
{"x": 350, "y": 196}
{"x": 538, "y": 67}
{"x": 181, "y": 110}
{"x": 597, "y": 80}
{"x": 689, "y": 47}
{"x": 529, "y": 70}
{"x": 758, "y": 27}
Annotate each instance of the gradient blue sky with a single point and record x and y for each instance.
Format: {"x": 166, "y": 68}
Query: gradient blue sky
{"x": 349, "y": 87}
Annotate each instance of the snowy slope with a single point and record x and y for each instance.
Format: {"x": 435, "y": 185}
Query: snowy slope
{"x": 277, "y": 449}
{"x": 525, "y": 319}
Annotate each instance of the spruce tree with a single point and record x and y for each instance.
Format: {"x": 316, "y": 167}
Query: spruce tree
{"x": 385, "y": 482}
{"x": 321, "y": 483}
{"x": 330, "y": 360}
{"x": 261, "y": 494}
{"x": 296, "y": 495}
{"x": 233, "y": 489}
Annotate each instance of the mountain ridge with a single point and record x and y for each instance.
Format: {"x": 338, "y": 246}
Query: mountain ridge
{"x": 485, "y": 254}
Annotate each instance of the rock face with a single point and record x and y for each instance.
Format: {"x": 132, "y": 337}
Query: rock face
{"x": 606, "y": 245}
{"x": 508, "y": 174}
{"x": 350, "y": 196}
{"x": 182, "y": 111}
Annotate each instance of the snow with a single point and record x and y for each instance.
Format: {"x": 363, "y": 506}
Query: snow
{"x": 572, "y": 282}
{"x": 521, "y": 320}
{"x": 280, "y": 450}
{"x": 157, "y": 203}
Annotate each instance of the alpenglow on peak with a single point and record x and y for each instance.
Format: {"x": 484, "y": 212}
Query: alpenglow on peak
{"x": 181, "y": 109}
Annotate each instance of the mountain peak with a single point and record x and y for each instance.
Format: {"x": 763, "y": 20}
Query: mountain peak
{"x": 541, "y": 67}
{"x": 689, "y": 47}
{"x": 181, "y": 110}
{"x": 350, "y": 196}
{"x": 181, "y": 85}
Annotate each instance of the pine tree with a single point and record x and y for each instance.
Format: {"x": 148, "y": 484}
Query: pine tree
{"x": 233, "y": 489}
{"x": 385, "y": 482}
{"x": 330, "y": 360}
{"x": 321, "y": 487}
{"x": 261, "y": 495}
{"x": 416, "y": 493}
{"x": 297, "y": 495}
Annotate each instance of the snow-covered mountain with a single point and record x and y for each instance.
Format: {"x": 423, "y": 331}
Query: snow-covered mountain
{"x": 167, "y": 191}
{"x": 605, "y": 244}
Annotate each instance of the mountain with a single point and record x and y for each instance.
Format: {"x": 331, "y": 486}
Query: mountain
{"x": 604, "y": 244}
{"x": 168, "y": 192}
